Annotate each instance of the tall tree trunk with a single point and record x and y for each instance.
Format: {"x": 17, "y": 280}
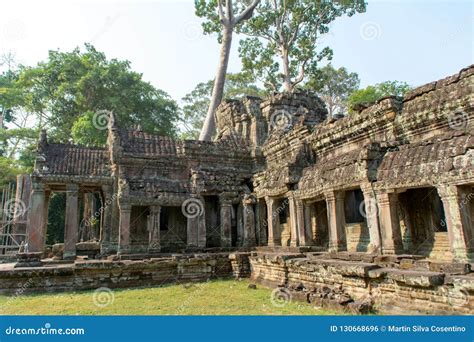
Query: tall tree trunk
{"x": 286, "y": 71}
{"x": 209, "y": 127}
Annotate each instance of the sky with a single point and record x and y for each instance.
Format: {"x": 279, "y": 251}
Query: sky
{"x": 416, "y": 41}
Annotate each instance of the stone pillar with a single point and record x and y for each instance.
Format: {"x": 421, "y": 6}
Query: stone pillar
{"x": 249, "y": 222}
{"x": 372, "y": 217}
{"x": 273, "y": 220}
{"x": 239, "y": 217}
{"x": 389, "y": 223}
{"x": 153, "y": 222}
{"x": 106, "y": 213}
{"x": 192, "y": 232}
{"x": 456, "y": 204}
{"x": 293, "y": 223}
{"x": 124, "y": 228}
{"x": 37, "y": 218}
{"x": 308, "y": 222}
{"x": 71, "y": 228}
{"x": 196, "y": 225}
{"x": 226, "y": 221}
{"x": 304, "y": 230}
{"x": 261, "y": 223}
{"x": 202, "y": 239}
{"x": 336, "y": 220}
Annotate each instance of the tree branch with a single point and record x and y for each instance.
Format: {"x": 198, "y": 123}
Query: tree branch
{"x": 246, "y": 13}
{"x": 230, "y": 12}
{"x": 221, "y": 12}
{"x": 301, "y": 75}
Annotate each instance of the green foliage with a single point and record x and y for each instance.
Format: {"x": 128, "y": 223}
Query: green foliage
{"x": 70, "y": 89}
{"x": 196, "y": 103}
{"x": 374, "y": 93}
{"x": 334, "y": 86}
{"x": 8, "y": 171}
{"x": 289, "y": 29}
{"x": 10, "y": 96}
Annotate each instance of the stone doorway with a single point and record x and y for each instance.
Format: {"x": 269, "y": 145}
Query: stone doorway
{"x": 357, "y": 231}
{"x": 319, "y": 224}
{"x": 213, "y": 221}
{"x": 173, "y": 229}
{"x": 138, "y": 229}
{"x": 423, "y": 223}
{"x": 285, "y": 221}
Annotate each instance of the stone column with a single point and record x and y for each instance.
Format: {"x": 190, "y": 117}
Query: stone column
{"x": 153, "y": 222}
{"x": 293, "y": 222}
{"x": 372, "y": 217}
{"x": 226, "y": 221}
{"x": 304, "y": 236}
{"x": 124, "y": 228}
{"x": 273, "y": 220}
{"x": 336, "y": 220}
{"x": 201, "y": 219}
{"x": 261, "y": 223}
{"x": 194, "y": 210}
{"x": 106, "y": 212}
{"x": 239, "y": 217}
{"x": 192, "y": 232}
{"x": 71, "y": 228}
{"x": 456, "y": 204}
{"x": 389, "y": 223}
{"x": 37, "y": 218}
{"x": 308, "y": 222}
{"x": 249, "y": 222}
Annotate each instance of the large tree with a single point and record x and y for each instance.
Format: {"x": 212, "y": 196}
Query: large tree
{"x": 282, "y": 47}
{"x": 196, "y": 103}
{"x": 223, "y": 17}
{"x": 334, "y": 86}
{"x": 17, "y": 138}
{"x": 73, "y": 92}
{"x": 374, "y": 93}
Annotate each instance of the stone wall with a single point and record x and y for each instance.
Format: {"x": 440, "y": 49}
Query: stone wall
{"x": 84, "y": 275}
{"x": 393, "y": 284}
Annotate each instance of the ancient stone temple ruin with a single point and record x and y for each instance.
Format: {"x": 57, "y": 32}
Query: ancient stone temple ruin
{"x": 376, "y": 204}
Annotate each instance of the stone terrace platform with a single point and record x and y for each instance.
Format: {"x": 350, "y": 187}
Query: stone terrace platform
{"x": 402, "y": 284}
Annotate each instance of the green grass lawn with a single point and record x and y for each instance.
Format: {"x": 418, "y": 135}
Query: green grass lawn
{"x": 220, "y": 297}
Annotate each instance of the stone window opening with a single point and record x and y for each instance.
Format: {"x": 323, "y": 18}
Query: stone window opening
{"x": 353, "y": 202}
{"x": 164, "y": 219}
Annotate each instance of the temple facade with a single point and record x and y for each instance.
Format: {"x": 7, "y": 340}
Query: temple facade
{"x": 395, "y": 177}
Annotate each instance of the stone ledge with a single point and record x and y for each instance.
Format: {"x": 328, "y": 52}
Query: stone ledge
{"x": 344, "y": 268}
{"x": 416, "y": 278}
